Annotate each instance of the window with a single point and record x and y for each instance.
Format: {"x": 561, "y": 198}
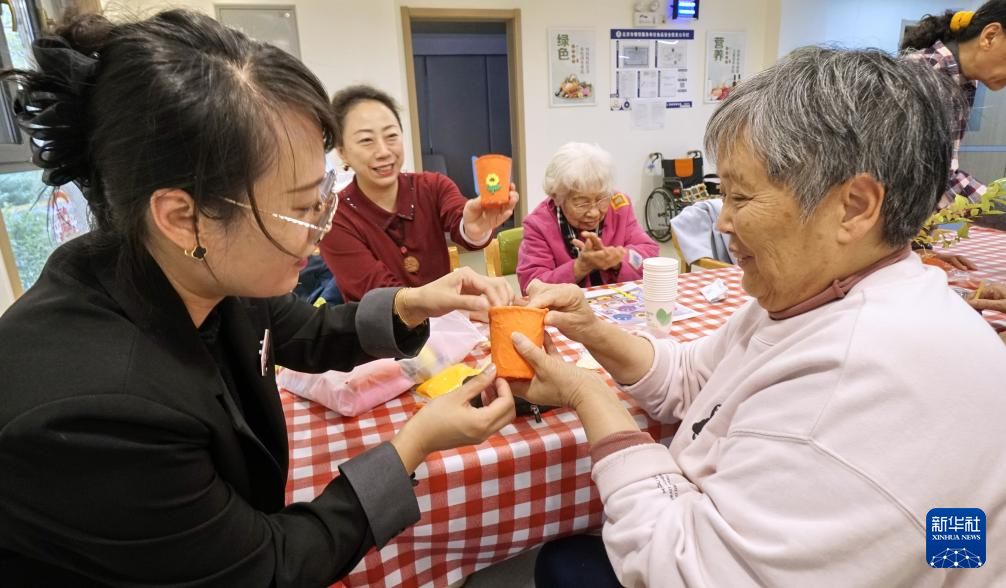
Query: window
{"x": 29, "y": 228}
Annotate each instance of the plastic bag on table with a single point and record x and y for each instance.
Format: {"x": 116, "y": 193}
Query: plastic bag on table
{"x": 452, "y": 338}
{"x": 353, "y": 393}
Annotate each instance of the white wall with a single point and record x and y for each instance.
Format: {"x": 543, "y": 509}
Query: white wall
{"x": 353, "y": 41}
{"x": 855, "y": 23}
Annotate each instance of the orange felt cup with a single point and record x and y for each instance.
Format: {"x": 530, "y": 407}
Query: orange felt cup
{"x": 503, "y": 322}
{"x": 492, "y": 172}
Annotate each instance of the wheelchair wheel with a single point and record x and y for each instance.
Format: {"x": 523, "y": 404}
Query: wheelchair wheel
{"x": 660, "y": 208}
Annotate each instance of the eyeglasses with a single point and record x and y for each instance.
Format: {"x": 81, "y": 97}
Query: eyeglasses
{"x": 585, "y": 206}
{"x": 328, "y": 203}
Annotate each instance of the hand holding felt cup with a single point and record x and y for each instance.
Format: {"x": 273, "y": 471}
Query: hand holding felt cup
{"x": 556, "y": 382}
{"x": 480, "y": 220}
{"x": 503, "y": 322}
{"x": 463, "y": 289}
{"x": 568, "y": 309}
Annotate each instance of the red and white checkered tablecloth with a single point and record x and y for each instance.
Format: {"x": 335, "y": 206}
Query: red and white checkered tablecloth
{"x": 986, "y": 248}
{"x": 481, "y": 505}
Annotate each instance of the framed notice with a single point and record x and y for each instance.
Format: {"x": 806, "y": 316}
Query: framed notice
{"x": 724, "y": 64}
{"x": 649, "y": 66}
{"x": 571, "y": 67}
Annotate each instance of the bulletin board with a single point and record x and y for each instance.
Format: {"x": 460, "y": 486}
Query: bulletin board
{"x": 650, "y": 66}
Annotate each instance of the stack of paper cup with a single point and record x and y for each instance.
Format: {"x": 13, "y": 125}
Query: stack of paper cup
{"x": 660, "y": 290}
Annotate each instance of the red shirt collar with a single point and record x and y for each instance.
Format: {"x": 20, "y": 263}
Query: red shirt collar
{"x": 405, "y": 202}
{"x": 839, "y": 288}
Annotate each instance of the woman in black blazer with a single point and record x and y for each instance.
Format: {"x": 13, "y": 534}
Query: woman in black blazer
{"x": 142, "y": 441}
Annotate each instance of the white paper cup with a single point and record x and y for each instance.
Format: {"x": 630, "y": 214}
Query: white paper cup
{"x": 660, "y": 296}
{"x": 660, "y": 316}
{"x": 660, "y": 287}
{"x": 657, "y": 265}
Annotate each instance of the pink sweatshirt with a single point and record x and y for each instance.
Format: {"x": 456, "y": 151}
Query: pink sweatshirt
{"x": 832, "y": 435}
{"x": 543, "y": 253}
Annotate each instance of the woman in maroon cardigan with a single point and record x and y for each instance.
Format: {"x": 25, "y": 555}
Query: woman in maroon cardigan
{"x": 390, "y": 227}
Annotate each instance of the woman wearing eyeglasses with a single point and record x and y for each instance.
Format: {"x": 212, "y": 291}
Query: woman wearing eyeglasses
{"x": 584, "y": 233}
{"x": 390, "y": 231}
{"x": 142, "y": 440}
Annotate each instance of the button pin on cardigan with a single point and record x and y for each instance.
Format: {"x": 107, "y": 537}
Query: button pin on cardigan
{"x": 264, "y": 351}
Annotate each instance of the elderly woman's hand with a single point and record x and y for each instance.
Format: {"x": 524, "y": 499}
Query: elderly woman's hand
{"x": 462, "y": 289}
{"x": 555, "y": 383}
{"x": 568, "y": 309}
{"x": 480, "y": 222}
{"x": 595, "y": 255}
{"x": 993, "y": 297}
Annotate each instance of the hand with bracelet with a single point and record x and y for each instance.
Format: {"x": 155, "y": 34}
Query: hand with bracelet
{"x": 463, "y": 289}
{"x": 450, "y": 421}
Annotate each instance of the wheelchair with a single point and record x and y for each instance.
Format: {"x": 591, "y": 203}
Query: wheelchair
{"x": 683, "y": 183}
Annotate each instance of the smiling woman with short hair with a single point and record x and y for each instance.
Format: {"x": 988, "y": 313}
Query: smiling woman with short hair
{"x": 818, "y": 425}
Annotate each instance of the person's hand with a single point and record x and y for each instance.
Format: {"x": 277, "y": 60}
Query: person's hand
{"x": 450, "y": 420}
{"x": 479, "y": 222}
{"x": 568, "y": 309}
{"x": 555, "y": 383}
{"x": 993, "y": 297}
{"x": 595, "y": 255}
{"x": 958, "y": 261}
{"x": 462, "y": 289}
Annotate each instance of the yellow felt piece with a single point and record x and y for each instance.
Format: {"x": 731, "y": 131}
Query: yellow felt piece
{"x": 446, "y": 380}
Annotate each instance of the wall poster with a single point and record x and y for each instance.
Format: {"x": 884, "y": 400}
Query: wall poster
{"x": 571, "y": 67}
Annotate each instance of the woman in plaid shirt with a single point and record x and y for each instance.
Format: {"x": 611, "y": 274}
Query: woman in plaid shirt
{"x": 970, "y": 47}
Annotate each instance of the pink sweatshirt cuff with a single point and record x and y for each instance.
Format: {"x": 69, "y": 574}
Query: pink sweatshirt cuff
{"x": 616, "y": 442}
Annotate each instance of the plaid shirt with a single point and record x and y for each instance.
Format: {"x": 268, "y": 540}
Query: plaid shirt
{"x": 960, "y": 182}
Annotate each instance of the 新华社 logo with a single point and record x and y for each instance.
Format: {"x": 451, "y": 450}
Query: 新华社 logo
{"x": 955, "y": 537}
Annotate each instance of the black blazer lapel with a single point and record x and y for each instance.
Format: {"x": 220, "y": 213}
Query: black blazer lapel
{"x": 265, "y": 424}
{"x": 151, "y": 302}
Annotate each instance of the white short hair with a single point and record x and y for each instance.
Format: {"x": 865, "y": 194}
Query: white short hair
{"x": 579, "y": 168}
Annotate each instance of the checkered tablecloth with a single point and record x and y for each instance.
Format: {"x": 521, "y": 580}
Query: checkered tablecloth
{"x": 480, "y": 505}
{"x": 987, "y": 249}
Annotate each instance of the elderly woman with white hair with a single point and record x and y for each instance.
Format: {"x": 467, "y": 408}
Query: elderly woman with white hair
{"x": 585, "y": 233}
{"x": 818, "y": 429}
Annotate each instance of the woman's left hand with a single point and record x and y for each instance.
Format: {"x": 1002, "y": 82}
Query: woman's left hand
{"x": 556, "y": 382}
{"x": 479, "y": 222}
{"x": 462, "y": 289}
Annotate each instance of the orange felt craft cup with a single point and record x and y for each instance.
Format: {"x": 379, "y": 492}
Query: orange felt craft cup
{"x": 503, "y": 322}
{"x": 493, "y": 175}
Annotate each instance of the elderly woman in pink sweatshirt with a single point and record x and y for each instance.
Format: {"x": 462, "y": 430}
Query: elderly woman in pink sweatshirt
{"x": 584, "y": 233}
{"x": 817, "y": 428}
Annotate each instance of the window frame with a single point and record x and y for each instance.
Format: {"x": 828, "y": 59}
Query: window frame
{"x": 14, "y": 157}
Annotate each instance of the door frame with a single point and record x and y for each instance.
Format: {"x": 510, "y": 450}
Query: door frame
{"x": 515, "y": 69}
